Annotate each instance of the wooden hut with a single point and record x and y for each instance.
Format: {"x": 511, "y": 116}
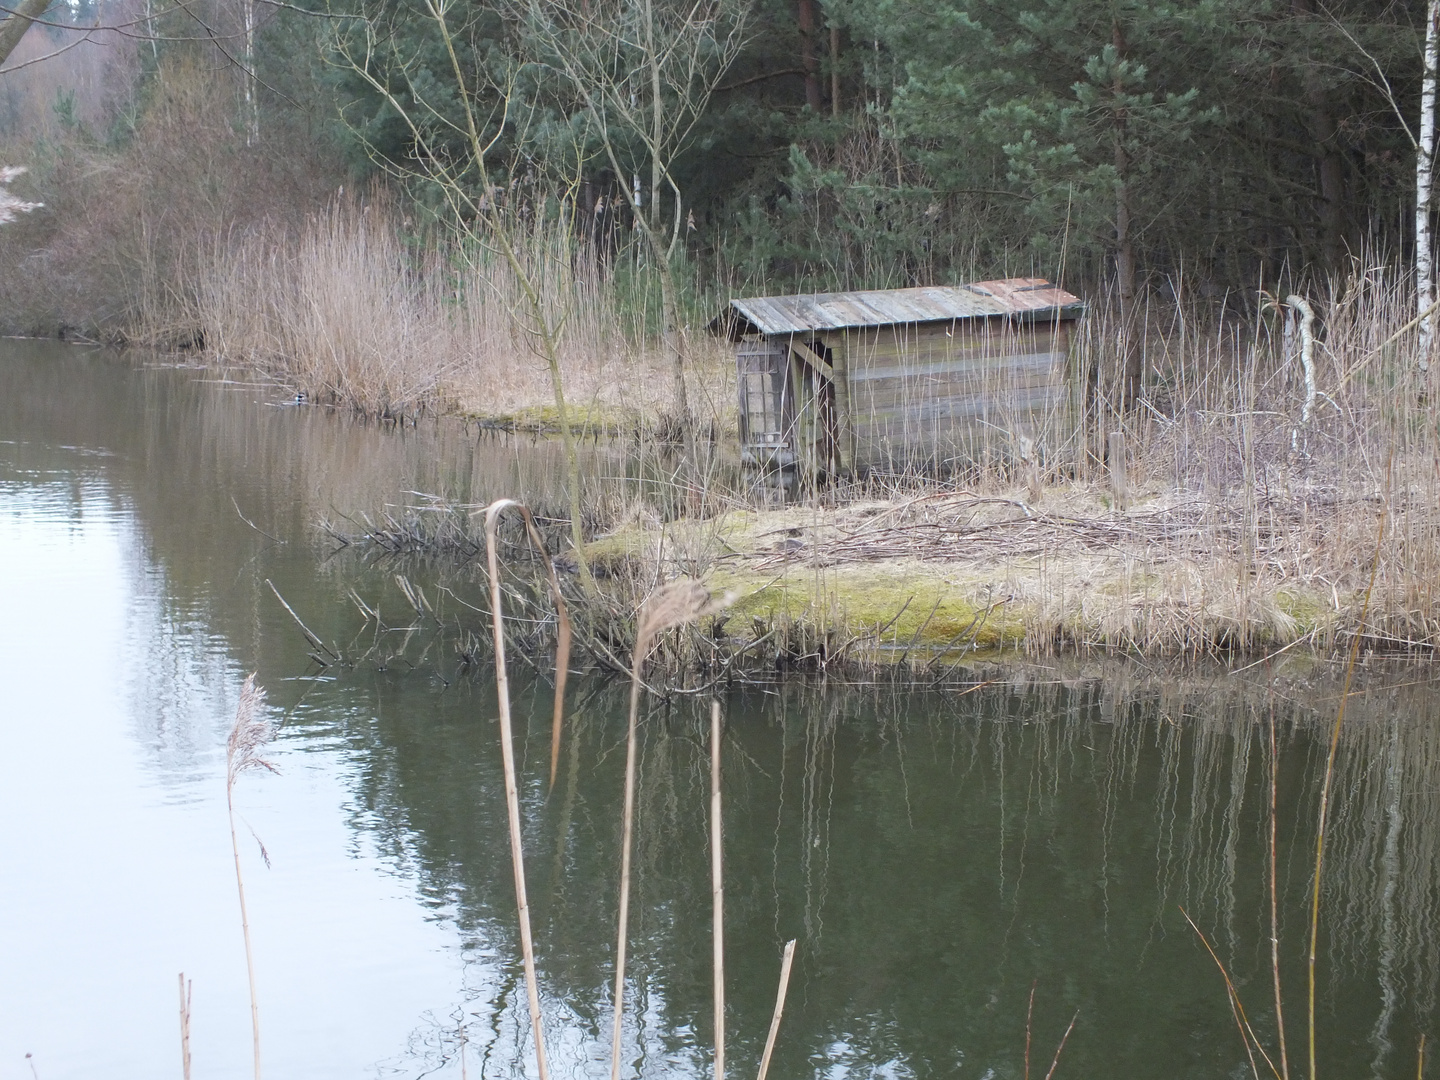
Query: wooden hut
{"x": 848, "y": 382}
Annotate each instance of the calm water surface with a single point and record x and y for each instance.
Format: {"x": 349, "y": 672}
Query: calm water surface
{"x": 936, "y": 854}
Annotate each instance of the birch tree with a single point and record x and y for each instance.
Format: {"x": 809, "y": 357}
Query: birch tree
{"x": 644, "y": 71}
{"x": 1424, "y": 166}
{"x": 1422, "y": 140}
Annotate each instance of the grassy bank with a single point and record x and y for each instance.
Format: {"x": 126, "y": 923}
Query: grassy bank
{"x": 953, "y": 573}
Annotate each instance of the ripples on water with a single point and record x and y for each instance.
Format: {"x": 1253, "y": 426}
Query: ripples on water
{"x": 935, "y": 853}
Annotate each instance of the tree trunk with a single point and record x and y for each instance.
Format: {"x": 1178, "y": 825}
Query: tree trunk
{"x": 1332, "y": 179}
{"x": 1131, "y": 357}
{"x": 1330, "y": 165}
{"x": 669, "y": 312}
{"x": 1424, "y": 166}
{"x": 252, "y": 96}
{"x": 657, "y": 120}
{"x": 13, "y": 28}
{"x": 809, "y": 60}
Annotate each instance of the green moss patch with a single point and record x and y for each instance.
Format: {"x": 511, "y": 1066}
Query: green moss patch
{"x": 917, "y": 607}
{"x": 588, "y": 420}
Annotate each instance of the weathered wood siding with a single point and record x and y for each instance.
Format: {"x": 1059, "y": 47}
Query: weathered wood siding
{"x": 944, "y": 391}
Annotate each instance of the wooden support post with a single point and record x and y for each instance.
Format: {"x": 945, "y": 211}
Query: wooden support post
{"x": 1118, "y": 486}
{"x": 844, "y": 438}
{"x": 796, "y": 433}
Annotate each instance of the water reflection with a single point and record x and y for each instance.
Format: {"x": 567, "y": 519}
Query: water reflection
{"x": 936, "y": 856}
{"x": 936, "y": 853}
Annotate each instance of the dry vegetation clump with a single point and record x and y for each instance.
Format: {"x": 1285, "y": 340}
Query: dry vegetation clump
{"x": 346, "y": 308}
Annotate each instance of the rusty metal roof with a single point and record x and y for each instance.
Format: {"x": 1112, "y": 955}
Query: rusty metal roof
{"x": 1032, "y": 298}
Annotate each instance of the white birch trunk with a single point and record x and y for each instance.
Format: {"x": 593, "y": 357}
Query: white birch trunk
{"x": 1424, "y": 166}
{"x": 1307, "y": 352}
{"x": 252, "y": 98}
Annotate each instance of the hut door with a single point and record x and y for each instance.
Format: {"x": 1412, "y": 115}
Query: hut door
{"x": 767, "y": 404}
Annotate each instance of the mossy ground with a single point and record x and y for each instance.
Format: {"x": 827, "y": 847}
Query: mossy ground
{"x": 875, "y": 578}
{"x": 590, "y": 419}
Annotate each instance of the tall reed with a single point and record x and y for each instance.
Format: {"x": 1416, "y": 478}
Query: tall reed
{"x": 349, "y": 308}
{"x": 1323, "y": 814}
{"x": 717, "y": 891}
{"x": 673, "y": 605}
{"x": 507, "y": 746}
{"x": 242, "y": 754}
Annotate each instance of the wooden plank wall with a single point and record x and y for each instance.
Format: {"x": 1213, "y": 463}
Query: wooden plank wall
{"x": 940, "y": 392}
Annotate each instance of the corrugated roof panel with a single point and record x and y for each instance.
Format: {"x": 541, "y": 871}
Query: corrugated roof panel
{"x": 837, "y": 311}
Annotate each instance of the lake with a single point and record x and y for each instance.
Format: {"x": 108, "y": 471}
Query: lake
{"x": 937, "y": 852}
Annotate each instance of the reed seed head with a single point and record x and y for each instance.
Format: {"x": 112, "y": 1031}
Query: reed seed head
{"x": 675, "y": 603}
{"x": 250, "y": 733}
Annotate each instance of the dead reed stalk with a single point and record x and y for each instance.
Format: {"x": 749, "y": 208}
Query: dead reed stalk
{"x": 185, "y": 998}
{"x": 507, "y": 752}
{"x": 785, "y": 961}
{"x": 1029, "y": 1017}
{"x": 242, "y": 754}
{"x": 1055, "y": 1061}
{"x": 717, "y": 889}
{"x": 1237, "y": 1007}
{"x": 1274, "y": 915}
{"x": 1324, "y": 811}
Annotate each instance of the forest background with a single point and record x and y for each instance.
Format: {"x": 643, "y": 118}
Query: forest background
{"x": 1198, "y": 150}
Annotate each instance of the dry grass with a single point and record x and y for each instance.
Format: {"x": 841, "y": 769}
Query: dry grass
{"x": 346, "y": 309}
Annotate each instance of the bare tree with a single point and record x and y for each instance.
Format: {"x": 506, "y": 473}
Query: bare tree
{"x": 644, "y": 71}
{"x": 454, "y": 131}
